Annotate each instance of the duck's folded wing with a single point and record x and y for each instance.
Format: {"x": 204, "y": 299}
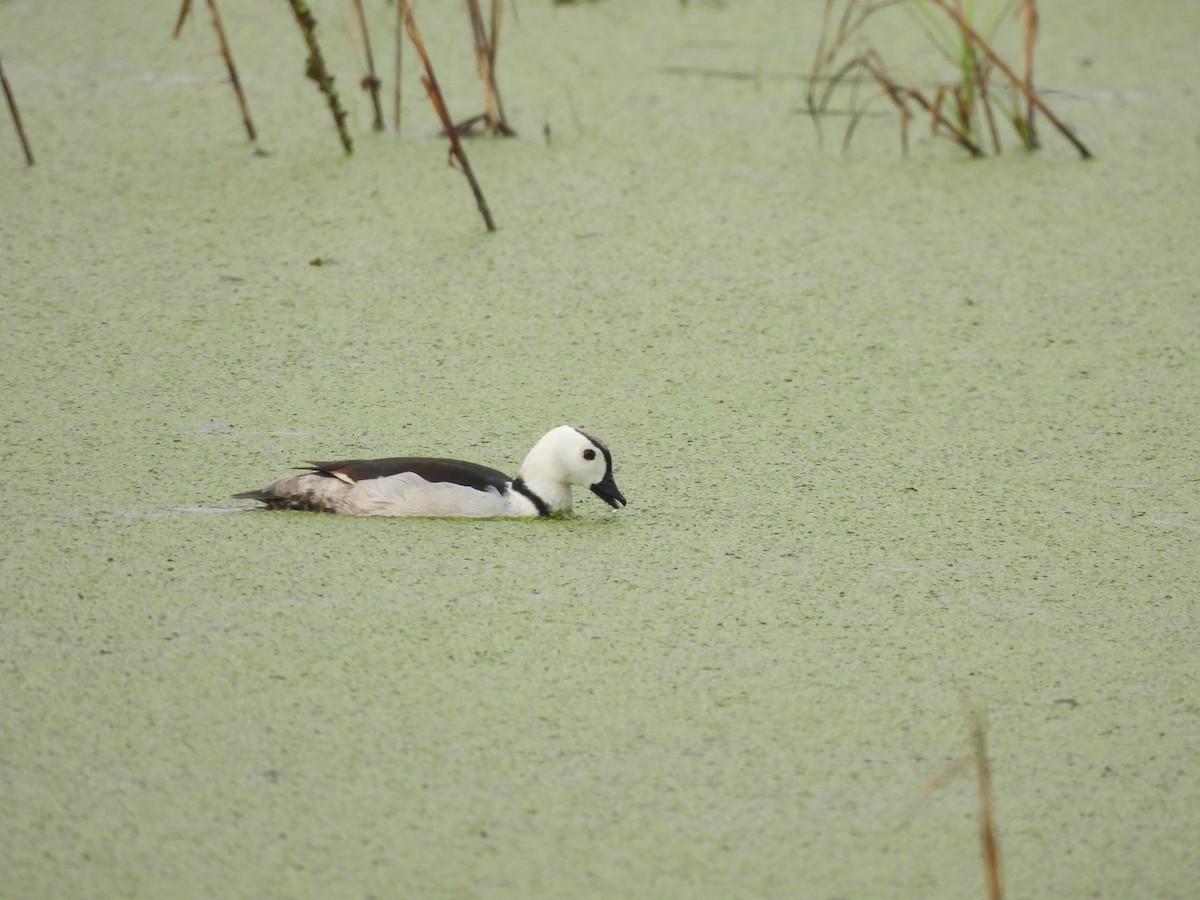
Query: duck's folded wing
{"x": 454, "y": 471}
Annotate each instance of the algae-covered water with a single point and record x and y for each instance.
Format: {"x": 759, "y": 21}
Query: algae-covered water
{"x": 891, "y": 430}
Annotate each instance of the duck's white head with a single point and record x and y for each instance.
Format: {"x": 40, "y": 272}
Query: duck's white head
{"x": 567, "y": 456}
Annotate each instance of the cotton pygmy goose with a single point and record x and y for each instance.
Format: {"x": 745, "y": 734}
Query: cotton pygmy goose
{"x": 420, "y": 486}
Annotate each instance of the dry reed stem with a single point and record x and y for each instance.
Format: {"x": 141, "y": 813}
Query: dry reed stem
{"x": 957, "y": 134}
{"x": 985, "y": 100}
{"x": 889, "y": 89}
{"x": 396, "y": 76}
{"x": 429, "y": 80}
{"x": 183, "y": 14}
{"x": 978, "y": 759}
{"x": 854, "y": 16}
{"x": 828, "y": 50}
{"x": 482, "y": 64}
{"x": 848, "y": 26}
{"x": 1029, "y": 16}
{"x": 485, "y": 61}
{"x": 493, "y": 45}
{"x": 820, "y": 61}
{"x": 316, "y": 70}
{"x": 897, "y": 97}
{"x": 873, "y": 63}
{"x": 988, "y": 838}
{"x": 370, "y": 81}
{"x": 1023, "y": 86}
{"x": 226, "y": 55}
{"x": 16, "y": 116}
{"x": 497, "y": 12}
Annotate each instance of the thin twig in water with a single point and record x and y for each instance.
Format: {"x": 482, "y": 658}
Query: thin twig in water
{"x": 370, "y": 82}
{"x": 985, "y": 100}
{"x": 183, "y": 14}
{"x": 316, "y": 70}
{"x": 16, "y": 116}
{"x": 987, "y": 822}
{"x": 396, "y": 74}
{"x": 493, "y": 44}
{"x": 429, "y": 80}
{"x": 226, "y": 55}
{"x": 1029, "y": 17}
{"x": 482, "y": 56}
{"x": 978, "y": 759}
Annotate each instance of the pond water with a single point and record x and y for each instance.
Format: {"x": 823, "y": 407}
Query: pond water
{"x": 894, "y": 433}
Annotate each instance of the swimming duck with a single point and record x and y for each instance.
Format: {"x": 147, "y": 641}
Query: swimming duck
{"x": 420, "y": 486}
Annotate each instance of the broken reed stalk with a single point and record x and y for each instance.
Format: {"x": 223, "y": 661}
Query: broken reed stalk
{"x": 1020, "y": 84}
{"x": 370, "y": 82}
{"x": 316, "y": 70}
{"x": 493, "y": 44}
{"x": 227, "y": 56}
{"x": 479, "y": 34}
{"x": 429, "y": 80}
{"x": 16, "y": 116}
{"x": 957, "y": 132}
{"x": 485, "y": 62}
{"x": 899, "y": 94}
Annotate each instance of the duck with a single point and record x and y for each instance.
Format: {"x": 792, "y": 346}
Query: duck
{"x": 563, "y": 458}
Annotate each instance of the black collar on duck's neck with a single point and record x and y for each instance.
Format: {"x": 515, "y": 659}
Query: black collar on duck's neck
{"x": 524, "y": 490}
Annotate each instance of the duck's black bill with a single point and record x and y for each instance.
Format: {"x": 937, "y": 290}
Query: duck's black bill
{"x": 606, "y": 489}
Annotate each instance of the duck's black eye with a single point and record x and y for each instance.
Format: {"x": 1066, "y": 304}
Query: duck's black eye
{"x": 589, "y": 453}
